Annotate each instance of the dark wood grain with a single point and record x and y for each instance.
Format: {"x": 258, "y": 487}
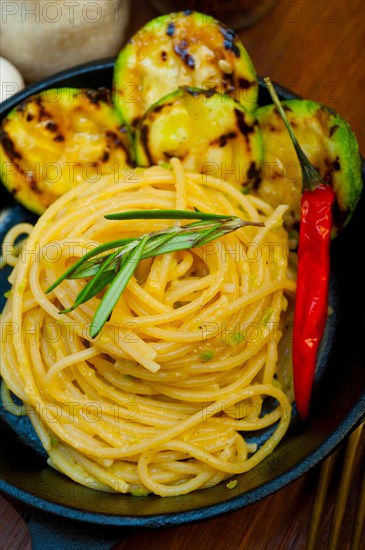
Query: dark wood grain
{"x": 316, "y": 48}
{"x": 14, "y": 533}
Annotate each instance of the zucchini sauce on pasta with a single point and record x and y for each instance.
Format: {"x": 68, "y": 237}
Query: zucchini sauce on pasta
{"x": 162, "y": 400}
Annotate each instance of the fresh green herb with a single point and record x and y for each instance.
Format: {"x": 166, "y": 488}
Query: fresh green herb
{"x": 139, "y": 491}
{"x": 236, "y": 338}
{"x": 17, "y": 248}
{"x": 206, "y": 355}
{"x": 232, "y": 484}
{"x": 267, "y": 316}
{"x": 111, "y": 265}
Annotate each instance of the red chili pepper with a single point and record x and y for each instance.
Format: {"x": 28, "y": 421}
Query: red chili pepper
{"x": 311, "y": 301}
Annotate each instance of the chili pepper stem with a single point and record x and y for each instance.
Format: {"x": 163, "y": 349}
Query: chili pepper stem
{"x": 310, "y": 176}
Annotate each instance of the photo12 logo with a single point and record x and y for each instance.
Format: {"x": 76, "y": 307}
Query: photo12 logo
{"x": 71, "y": 11}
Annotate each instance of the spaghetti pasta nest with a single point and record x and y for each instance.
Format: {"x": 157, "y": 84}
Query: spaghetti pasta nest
{"x": 162, "y": 400}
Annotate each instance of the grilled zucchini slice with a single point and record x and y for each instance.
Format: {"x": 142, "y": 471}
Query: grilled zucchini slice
{"x": 209, "y": 132}
{"x": 56, "y": 139}
{"x": 181, "y": 49}
{"x": 330, "y": 145}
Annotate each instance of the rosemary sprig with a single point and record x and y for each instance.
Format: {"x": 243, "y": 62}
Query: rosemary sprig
{"x": 111, "y": 265}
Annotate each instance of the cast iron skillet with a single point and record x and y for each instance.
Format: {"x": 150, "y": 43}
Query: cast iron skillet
{"x": 94, "y": 519}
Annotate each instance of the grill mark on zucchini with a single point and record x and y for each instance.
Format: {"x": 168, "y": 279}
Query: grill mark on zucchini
{"x": 9, "y": 147}
{"x": 230, "y": 38}
{"x": 253, "y": 174}
{"x": 114, "y": 138}
{"x": 52, "y": 126}
{"x": 181, "y": 49}
{"x": 244, "y": 128}
{"x": 228, "y": 83}
{"x": 245, "y": 84}
{"x": 336, "y": 165}
{"x": 114, "y": 142}
{"x": 171, "y": 29}
{"x": 144, "y": 140}
{"x": 257, "y": 182}
{"x": 20, "y": 108}
{"x": 333, "y": 130}
{"x": 331, "y": 167}
{"x": 43, "y": 114}
{"x": 33, "y": 183}
{"x": 223, "y": 139}
{"x": 96, "y": 96}
{"x": 159, "y": 108}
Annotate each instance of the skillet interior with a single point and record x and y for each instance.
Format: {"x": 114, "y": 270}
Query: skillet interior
{"x": 338, "y": 400}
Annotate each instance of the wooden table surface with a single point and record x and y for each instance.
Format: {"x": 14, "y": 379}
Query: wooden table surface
{"x": 316, "y": 48}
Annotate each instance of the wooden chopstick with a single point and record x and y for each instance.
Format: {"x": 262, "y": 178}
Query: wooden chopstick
{"x": 360, "y": 517}
{"x": 342, "y": 497}
{"x": 344, "y": 486}
{"x": 319, "y": 500}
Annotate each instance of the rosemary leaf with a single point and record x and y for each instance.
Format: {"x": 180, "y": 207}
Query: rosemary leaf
{"x": 92, "y": 288}
{"x": 112, "y": 295}
{"x": 98, "y": 250}
{"x": 166, "y": 215}
{"x": 91, "y": 267}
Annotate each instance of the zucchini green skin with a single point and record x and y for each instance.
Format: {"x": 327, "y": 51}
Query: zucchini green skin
{"x": 209, "y": 132}
{"x": 58, "y": 138}
{"x": 330, "y": 145}
{"x": 181, "y": 49}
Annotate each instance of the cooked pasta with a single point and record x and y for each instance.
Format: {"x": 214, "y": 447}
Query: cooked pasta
{"x": 164, "y": 398}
